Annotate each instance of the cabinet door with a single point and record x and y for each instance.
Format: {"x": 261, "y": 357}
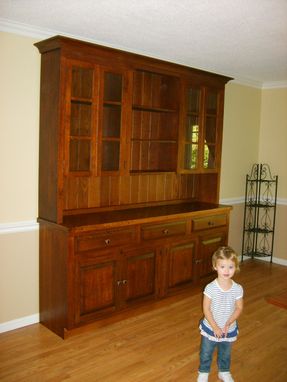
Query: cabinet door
{"x": 208, "y": 244}
{"x": 212, "y": 129}
{"x": 97, "y": 292}
{"x": 180, "y": 264}
{"x": 81, "y": 105}
{"x": 201, "y": 136}
{"x": 139, "y": 274}
{"x": 192, "y": 128}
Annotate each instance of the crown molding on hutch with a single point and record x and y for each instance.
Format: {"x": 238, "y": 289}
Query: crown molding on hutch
{"x": 11, "y": 26}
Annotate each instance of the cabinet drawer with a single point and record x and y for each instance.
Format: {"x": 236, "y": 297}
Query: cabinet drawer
{"x": 105, "y": 239}
{"x": 163, "y": 230}
{"x": 209, "y": 222}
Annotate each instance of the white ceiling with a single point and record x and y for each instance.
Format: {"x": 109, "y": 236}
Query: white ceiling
{"x": 244, "y": 39}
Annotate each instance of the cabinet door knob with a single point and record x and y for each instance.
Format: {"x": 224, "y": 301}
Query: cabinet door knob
{"x": 210, "y": 223}
{"x": 107, "y": 241}
{"x": 122, "y": 282}
{"x": 165, "y": 231}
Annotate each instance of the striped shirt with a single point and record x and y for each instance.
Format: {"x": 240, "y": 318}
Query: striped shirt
{"x": 222, "y": 306}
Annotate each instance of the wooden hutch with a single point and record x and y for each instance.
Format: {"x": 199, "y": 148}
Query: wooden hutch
{"x": 129, "y": 173}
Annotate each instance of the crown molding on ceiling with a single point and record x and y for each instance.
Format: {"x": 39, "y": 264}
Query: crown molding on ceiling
{"x": 15, "y": 27}
{"x": 25, "y": 29}
{"x": 274, "y": 85}
{"x": 247, "y": 82}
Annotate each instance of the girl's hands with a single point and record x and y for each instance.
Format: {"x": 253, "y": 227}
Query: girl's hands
{"x": 218, "y": 332}
{"x": 225, "y": 329}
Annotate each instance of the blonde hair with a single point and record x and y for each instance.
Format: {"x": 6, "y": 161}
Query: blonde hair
{"x": 225, "y": 253}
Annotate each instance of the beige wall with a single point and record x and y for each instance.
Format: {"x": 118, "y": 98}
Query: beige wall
{"x": 19, "y": 121}
{"x": 255, "y": 131}
{"x": 240, "y": 137}
{"x": 280, "y": 238}
{"x": 246, "y": 134}
{"x": 272, "y": 150}
{"x": 273, "y": 135}
{"x": 19, "y": 275}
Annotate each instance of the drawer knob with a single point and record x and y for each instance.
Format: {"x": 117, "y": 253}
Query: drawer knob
{"x": 107, "y": 241}
{"x": 165, "y": 231}
{"x": 122, "y": 282}
{"x": 210, "y": 223}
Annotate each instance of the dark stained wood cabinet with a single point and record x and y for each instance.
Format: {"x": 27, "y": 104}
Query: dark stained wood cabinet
{"x": 111, "y": 280}
{"x": 180, "y": 267}
{"x": 140, "y": 272}
{"x": 211, "y": 231}
{"x": 97, "y": 275}
{"x": 129, "y": 170}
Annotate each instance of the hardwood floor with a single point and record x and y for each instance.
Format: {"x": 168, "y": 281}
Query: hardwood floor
{"x": 278, "y": 299}
{"x": 160, "y": 344}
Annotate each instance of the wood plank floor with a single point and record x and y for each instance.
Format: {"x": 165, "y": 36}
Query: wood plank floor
{"x": 160, "y": 344}
{"x": 278, "y": 299}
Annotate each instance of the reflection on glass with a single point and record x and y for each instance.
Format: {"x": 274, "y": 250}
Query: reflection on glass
{"x": 210, "y": 129}
{"x": 211, "y": 103}
{"x": 193, "y": 100}
{"x": 112, "y": 121}
{"x": 209, "y": 156}
{"x": 190, "y": 156}
{"x": 192, "y": 129}
{"x": 113, "y": 87}
{"x": 110, "y": 155}
{"x": 82, "y": 82}
{"x": 80, "y": 119}
{"x": 79, "y": 155}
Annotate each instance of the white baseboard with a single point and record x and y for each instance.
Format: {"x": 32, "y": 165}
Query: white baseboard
{"x": 19, "y": 323}
{"x": 241, "y": 200}
{"x": 275, "y": 260}
{"x": 232, "y": 201}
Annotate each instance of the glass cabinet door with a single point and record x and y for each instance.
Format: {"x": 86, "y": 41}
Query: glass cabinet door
{"x": 192, "y": 129}
{"x": 81, "y": 119}
{"x": 200, "y": 140}
{"x": 210, "y": 129}
{"x": 95, "y": 98}
{"x": 111, "y": 121}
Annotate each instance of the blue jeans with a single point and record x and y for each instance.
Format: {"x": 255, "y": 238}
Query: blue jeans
{"x": 223, "y": 355}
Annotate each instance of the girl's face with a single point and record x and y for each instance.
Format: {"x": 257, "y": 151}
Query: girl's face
{"x": 225, "y": 268}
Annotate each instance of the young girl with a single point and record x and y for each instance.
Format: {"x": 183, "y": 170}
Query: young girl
{"x": 222, "y": 305}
